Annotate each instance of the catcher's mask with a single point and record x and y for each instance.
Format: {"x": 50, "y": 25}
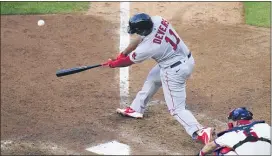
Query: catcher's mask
{"x": 140, "y": 24}
{"x": 239, "y": 115}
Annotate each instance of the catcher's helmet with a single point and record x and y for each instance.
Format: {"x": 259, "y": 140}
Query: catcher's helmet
{"x": 240, "y": 113}
{"x": 140, "y": 24}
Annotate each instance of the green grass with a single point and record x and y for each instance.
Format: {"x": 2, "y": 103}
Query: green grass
{"x": 257, "y": 13}
{"x": 12, "y": 8}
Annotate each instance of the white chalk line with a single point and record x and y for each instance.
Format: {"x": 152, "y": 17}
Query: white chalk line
{"x": 114, "y": 147}
{"x": 124, "y": 42}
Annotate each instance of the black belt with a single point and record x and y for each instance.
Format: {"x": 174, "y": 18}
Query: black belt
{"x": 179, "y": 62}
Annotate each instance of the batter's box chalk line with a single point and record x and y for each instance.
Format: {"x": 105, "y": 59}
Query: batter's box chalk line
{"x": 110, "y": 148}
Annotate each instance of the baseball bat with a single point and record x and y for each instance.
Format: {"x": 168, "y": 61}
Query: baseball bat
{"x": 70, "y": 71}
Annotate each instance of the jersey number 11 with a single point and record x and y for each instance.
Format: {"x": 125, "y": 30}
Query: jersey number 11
{"x": 168, "y": 40}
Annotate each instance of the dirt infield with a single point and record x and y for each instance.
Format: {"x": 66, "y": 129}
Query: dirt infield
{"x": 43, "y": 114}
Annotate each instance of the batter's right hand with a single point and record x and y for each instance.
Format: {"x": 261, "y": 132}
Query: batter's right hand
{"x": 107, "y": 63}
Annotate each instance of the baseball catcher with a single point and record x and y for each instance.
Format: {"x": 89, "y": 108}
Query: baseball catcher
{"x": 244, "y": 137}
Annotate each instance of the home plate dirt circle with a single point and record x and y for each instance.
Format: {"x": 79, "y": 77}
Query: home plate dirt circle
{"x": 33, "y": 148}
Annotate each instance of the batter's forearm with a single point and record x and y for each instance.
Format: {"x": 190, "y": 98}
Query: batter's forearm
{"x": 129, "y": 49}
{"x": 132, "y": 45}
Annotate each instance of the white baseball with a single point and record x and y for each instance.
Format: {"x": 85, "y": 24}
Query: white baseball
{"x": 41, "y": 22}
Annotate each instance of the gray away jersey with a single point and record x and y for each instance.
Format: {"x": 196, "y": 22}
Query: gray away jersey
{"x": 163, "y": 45}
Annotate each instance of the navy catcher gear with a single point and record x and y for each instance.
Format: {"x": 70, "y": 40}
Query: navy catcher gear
{"x": 240, "y": 114}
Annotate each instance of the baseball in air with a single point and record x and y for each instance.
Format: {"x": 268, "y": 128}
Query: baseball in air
{"x": 41, "y": 22}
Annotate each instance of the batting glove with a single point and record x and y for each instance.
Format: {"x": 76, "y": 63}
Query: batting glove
{"x": 112, "y": 63}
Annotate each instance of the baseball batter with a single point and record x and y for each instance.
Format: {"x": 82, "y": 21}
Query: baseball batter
{"x": 243, "y": 137}
{"x": 159, "y": 40}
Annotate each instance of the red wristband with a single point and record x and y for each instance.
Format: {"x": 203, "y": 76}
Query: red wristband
{"x": 121, "y": 55}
